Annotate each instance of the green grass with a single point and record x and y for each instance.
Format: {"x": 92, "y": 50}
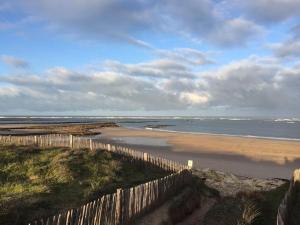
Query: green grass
{"x": 40, "y": 182}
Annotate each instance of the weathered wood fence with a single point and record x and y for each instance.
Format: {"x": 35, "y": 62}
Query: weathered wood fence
{"x": 287, "y": 203}
{"x": 59, "y": 140}
{"x": 123, "y": 206}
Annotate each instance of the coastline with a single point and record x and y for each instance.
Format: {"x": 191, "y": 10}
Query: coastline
{"x": 241, "y": 155}
{"x": 217, "y": 134}
{"x": 247, "y": 156}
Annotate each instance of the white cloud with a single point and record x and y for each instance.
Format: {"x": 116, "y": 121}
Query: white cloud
{"x": 8, "y": 91}
{"x": 176, "y": 63}
{"x": 290, "y": 48}
{"x": 194, "y": 98}
{"x": 115, "y": 20}
{"x": 14, "y": 61}
{"x": 186, "y": 55}
{"x": 254, "y": 84}
{"x": 235, "y": 32}
{"x": 271, "y": 11}
{"x": 203, "y": 20}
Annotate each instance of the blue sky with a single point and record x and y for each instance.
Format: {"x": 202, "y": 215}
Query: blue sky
{"x": 197, "y": 57}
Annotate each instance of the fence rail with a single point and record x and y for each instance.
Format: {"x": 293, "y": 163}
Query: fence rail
{"x": 123, "y": 206}
{"x": 287, "y": 202}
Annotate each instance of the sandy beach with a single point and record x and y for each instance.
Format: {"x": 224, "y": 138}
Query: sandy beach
{"x": 240, "y": 155}
{"x": 247, "y": 156}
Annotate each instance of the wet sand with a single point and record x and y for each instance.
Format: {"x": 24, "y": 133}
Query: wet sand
{"x": 253, "y": 157}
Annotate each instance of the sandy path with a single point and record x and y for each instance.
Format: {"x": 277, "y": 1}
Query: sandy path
{"x": 160, "y": 214}
{"x": 155, "y": 217}
{"x": 196, "y": 218}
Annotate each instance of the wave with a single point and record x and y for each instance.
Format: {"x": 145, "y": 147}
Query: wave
{"x": 155, "y": 117}
{"x": 219, "y": 134}
{"x": 235, "y": 119}
{"x": 287, "y": 120}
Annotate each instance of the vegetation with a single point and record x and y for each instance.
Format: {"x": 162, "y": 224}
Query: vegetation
{"x": 247, "y": 208}
{"x": 295, "y": 215}
{"x": 189, "y": 199}
{"x": 40, "y": 182}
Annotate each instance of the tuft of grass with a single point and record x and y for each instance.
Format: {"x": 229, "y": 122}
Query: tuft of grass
{"x": 225, "y": 212}
{"x": 36, "y": 182}
{"x": 189, "y": 199}
{"x": 250, "y": 213}
{"x": 247, "y": 208}
{"x": 268, "y": 202}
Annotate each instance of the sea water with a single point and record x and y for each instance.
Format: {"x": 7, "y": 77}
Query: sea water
{"x": 274, "y": 128}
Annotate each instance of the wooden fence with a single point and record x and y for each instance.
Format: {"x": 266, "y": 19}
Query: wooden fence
{"x": 287, "y": 202}
{"x": 123, "y": 206}
{"x": 59, "y": 140}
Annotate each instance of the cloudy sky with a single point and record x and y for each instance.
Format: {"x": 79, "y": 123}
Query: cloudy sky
{"x": 159, "y": 57}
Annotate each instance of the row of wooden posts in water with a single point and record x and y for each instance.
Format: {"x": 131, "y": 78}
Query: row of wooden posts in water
{"x": 288, "y": 202}
{"x": 123, "y": 206}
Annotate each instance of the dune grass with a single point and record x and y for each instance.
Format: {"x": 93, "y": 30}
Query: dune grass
{"x": 247, "y": 208}
{"x": 40, "y": 182}
{"x": 295, "y": 211}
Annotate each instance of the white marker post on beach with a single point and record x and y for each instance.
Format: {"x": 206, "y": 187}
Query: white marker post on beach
{"x": 190, "y": 164}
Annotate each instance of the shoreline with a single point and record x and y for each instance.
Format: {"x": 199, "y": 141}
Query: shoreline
{"x": 216, "y": 134}
{"x": 252, "y": 157}
{"x": 236, "y": 154}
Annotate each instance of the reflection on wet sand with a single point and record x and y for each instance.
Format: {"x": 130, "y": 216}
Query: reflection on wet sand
{"x": 230, "y": 162}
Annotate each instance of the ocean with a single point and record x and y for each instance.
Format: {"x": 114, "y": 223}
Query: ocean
{"x": 275, "y": 128}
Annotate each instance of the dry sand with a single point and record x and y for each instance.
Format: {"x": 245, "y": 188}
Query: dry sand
{"x": 240, "y": 155}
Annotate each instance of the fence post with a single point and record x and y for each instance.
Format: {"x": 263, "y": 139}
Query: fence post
{"x": 118, "y": 215}
{"x": 108, "y": 147}
{"x": 296, "y": 176}
{"x": 71, "y": 141}
{"x": 91, "y": 144}
{"x": 35, "y": 140}
{"x": 190, "y": 164}
{"x": 145, "y": 156}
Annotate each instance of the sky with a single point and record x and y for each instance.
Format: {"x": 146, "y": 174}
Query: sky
{"x": 150, "y": 58}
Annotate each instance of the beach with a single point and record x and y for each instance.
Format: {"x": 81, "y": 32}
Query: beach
{"x": 247, "y": 156}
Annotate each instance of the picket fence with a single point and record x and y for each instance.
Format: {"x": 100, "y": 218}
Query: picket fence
{"x": 60, "y": 140}
{"x": 287, "y": 202}
{"x": 123, "y": 206}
